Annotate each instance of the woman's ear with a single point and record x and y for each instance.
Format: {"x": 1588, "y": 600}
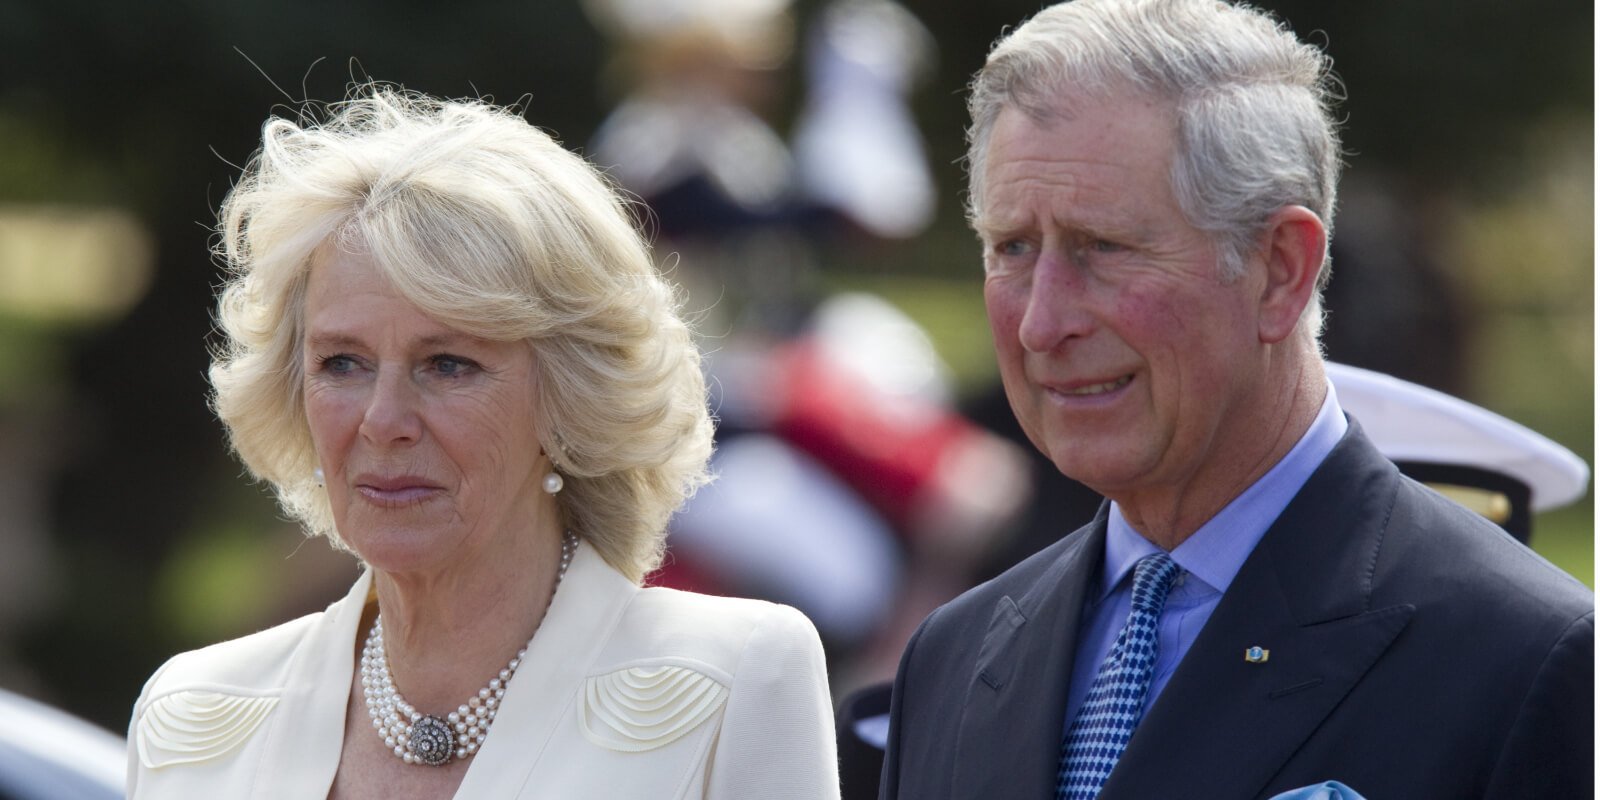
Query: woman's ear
{"x": 1294, "y": 243}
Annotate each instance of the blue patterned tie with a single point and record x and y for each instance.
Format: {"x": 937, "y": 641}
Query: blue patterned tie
{"x": 1115, "y": 702}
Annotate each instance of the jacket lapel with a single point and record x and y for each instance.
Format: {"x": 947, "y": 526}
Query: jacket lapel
{"x": 582, "y": 616}
{"x": 309, "y": 724}
{"x": 307, "y": 736}
{"x": 1226, "y": 725}
{"x": 1019, "y": 689}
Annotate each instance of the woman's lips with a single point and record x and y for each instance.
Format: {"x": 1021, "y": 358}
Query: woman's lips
{"x": 390, "y": 492}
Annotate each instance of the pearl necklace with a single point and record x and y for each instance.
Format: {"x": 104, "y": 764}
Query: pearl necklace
{"x": 425, "y": 738}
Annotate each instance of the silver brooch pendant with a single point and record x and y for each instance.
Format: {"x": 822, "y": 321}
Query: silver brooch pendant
{"x": 432, "y": 742}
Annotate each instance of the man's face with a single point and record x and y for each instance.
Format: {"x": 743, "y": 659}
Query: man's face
{"x": 1126, "y": 358}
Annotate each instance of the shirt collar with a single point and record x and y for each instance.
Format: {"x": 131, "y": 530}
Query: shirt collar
{"x": 1216, "y": 551}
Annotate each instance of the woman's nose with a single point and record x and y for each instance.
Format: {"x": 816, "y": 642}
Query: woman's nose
{"x": 392, "y": 410}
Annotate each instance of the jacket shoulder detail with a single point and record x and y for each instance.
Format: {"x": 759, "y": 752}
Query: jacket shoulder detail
{"x": 641, "y": 708}
{"x": 194, "y": 725}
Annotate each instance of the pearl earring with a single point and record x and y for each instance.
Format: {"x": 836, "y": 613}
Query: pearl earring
{"x": 316, "y": 475}
{"x": 553, "y": 482}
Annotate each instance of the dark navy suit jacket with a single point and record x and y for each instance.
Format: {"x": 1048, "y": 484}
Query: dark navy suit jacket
{"x": 1416, "y": 651}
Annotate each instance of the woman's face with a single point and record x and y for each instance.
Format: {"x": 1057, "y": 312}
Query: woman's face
{"x": 425, "y": 434}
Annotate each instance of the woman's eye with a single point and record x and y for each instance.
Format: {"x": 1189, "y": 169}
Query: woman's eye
{"x": 452, "y": 365}
{"x": 337, "y": 364}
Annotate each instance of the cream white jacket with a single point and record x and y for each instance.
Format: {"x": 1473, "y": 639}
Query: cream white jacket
{"x": 625, "y": 693}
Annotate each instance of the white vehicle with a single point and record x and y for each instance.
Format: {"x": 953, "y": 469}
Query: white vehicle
{"x": 48, "y": 754}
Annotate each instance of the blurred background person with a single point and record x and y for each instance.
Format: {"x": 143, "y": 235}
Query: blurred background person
{"x": 448, "y": 351}
{"x": 748, "y": 218}
{"x": 689, "y": 137}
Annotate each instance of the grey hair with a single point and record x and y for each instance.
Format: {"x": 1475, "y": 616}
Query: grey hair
{"x": 487, "y": 224}
{"x": 1255, "y": 131}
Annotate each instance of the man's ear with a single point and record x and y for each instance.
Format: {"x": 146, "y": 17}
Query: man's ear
{"x": 1293, "y": 245}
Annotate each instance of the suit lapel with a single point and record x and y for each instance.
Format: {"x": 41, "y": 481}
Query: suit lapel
{"x": 1018, "y": 690}
{"x": 1225, "y": 725}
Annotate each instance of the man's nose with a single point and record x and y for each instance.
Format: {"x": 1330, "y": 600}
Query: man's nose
{"x": 1057, "y": 305}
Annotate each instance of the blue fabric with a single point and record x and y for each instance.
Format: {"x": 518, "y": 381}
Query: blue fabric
{"x": 1331, "y": 790}
{"x": 1115, "y": 705}
{"x": 1209, "y": 558}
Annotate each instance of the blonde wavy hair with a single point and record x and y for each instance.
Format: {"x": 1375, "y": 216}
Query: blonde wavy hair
{"x": 487, "y": 224}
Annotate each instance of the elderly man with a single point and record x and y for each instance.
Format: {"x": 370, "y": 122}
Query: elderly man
{"x": 1265, "y": 604}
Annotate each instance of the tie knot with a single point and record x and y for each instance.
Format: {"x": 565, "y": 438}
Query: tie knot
{"x": 1152, "y": 579}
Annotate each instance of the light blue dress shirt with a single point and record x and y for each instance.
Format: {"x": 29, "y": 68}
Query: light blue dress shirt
{"x": 1209, "y": 559}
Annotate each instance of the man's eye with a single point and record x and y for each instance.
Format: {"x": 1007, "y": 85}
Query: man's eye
{"x": 1012, "y": 247}
{"x": 1104, "y": 246}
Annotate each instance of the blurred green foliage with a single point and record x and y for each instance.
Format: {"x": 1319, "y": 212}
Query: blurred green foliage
{"x": 212, "y": 582}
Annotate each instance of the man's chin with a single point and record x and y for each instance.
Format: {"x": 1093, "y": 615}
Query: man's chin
{"x": 1103, "y": 467}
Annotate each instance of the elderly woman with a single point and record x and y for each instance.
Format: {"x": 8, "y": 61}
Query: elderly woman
{"x": 447, "y": 350}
